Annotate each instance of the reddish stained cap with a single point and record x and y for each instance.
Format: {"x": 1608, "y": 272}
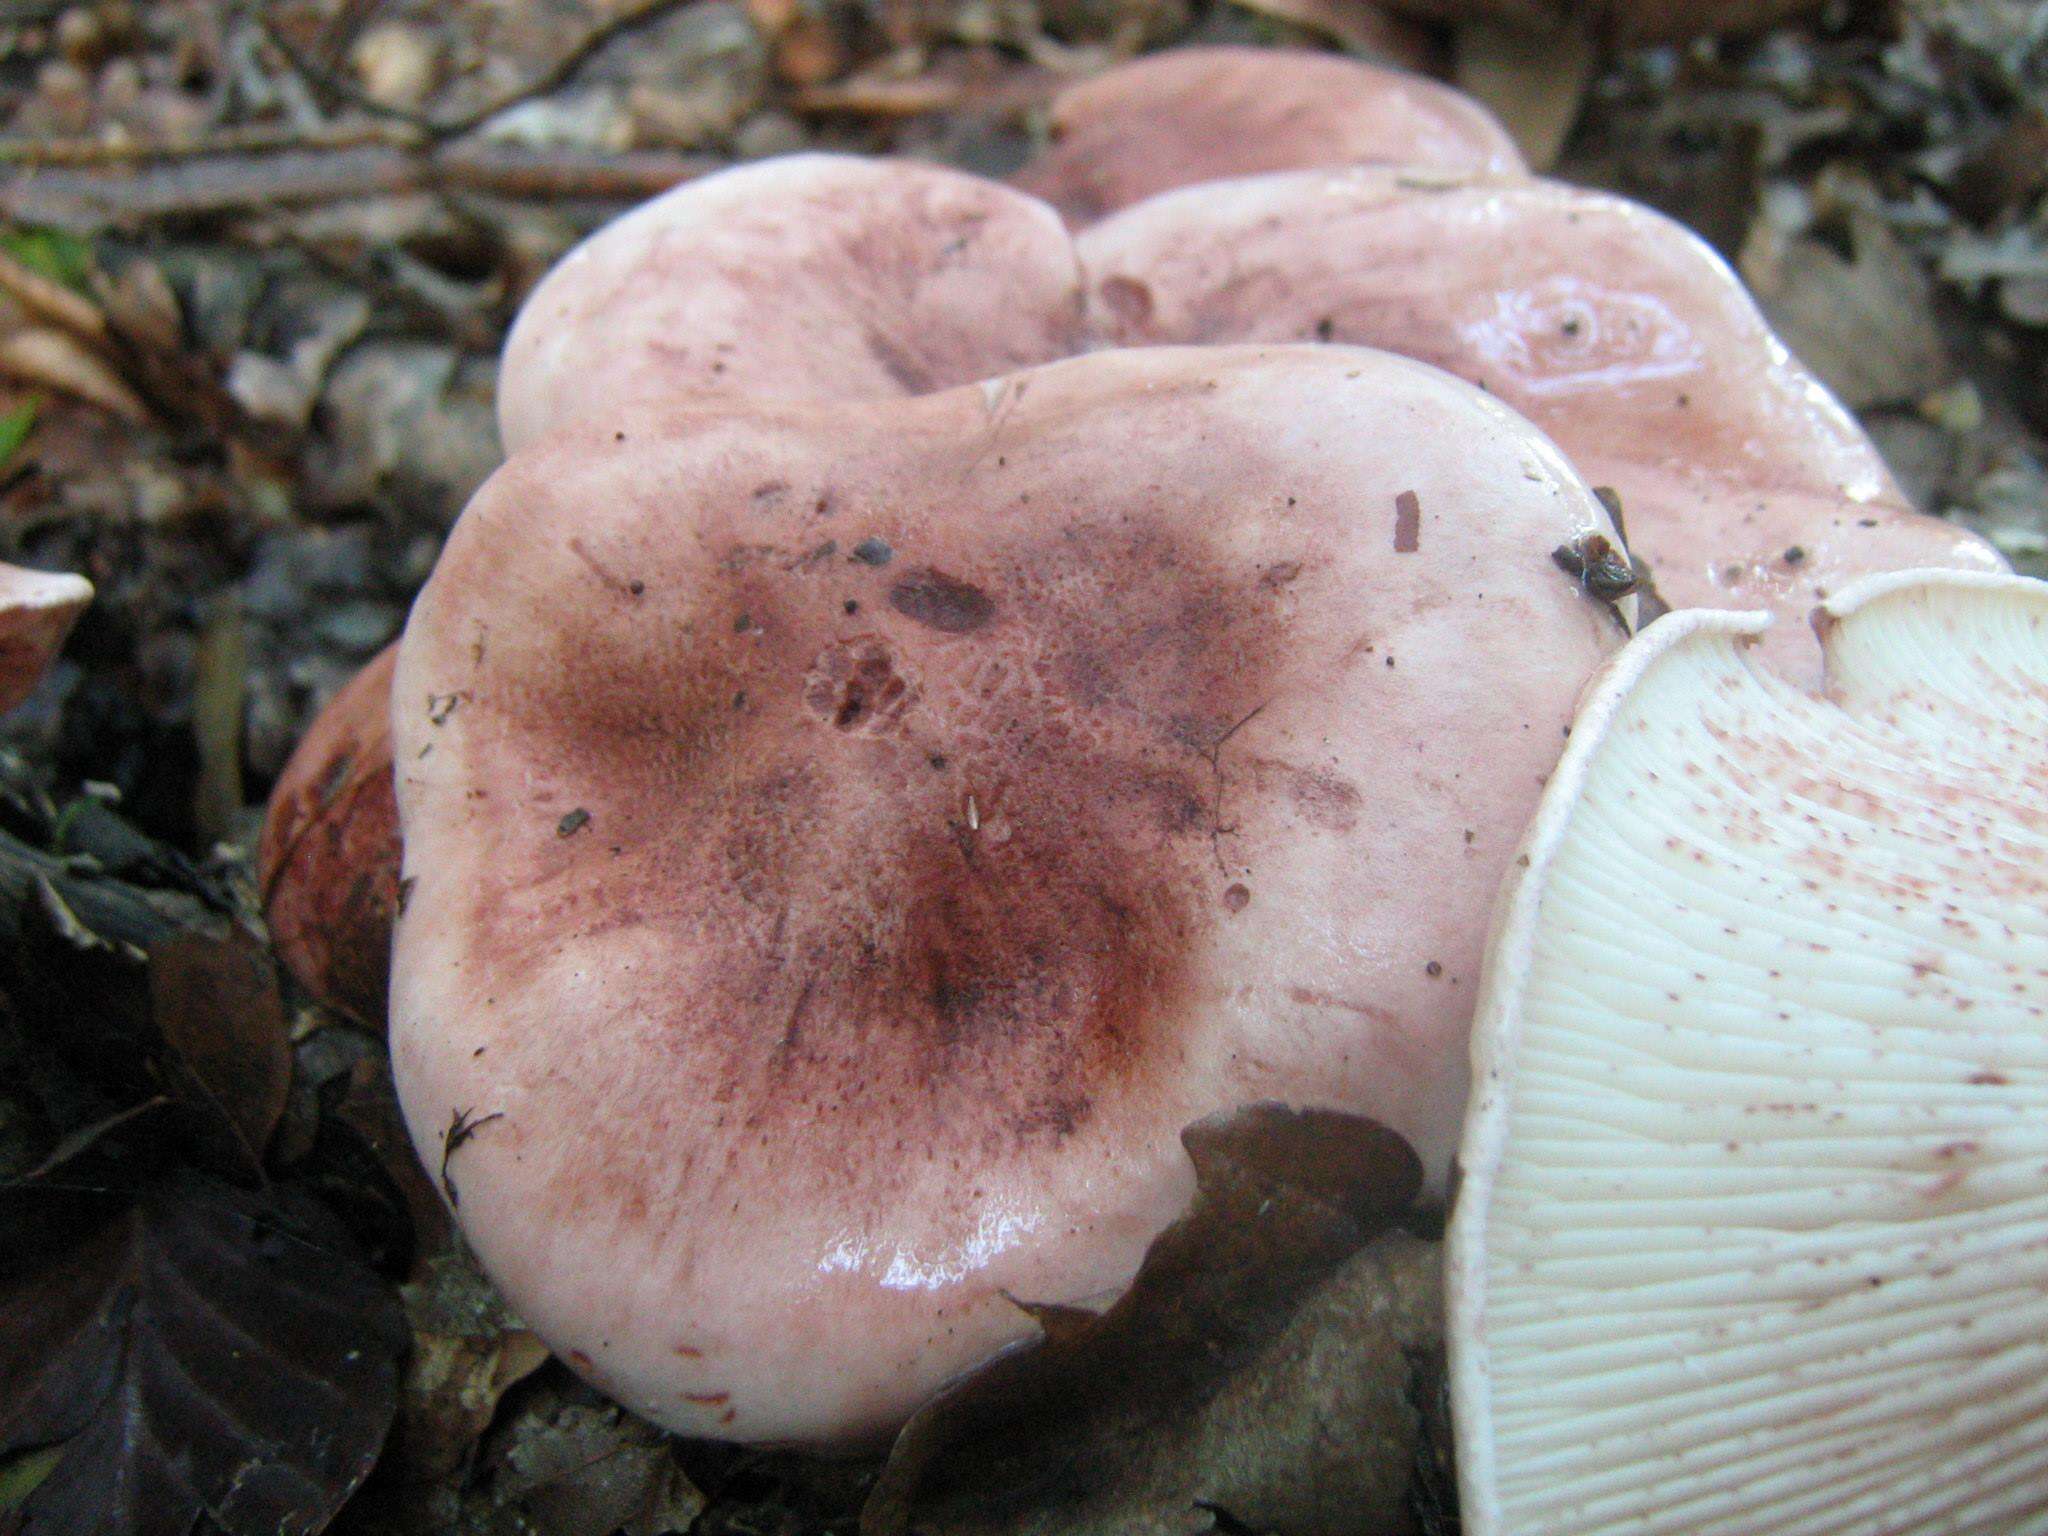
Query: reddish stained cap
{"x": 895, "y": 947}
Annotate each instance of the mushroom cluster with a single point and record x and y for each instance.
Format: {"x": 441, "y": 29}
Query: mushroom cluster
{"x": 1326, "y": 201}
{"x": 879, "y": 760}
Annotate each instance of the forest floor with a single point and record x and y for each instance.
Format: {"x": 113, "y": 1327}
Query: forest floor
{"x": 292, "y": 236}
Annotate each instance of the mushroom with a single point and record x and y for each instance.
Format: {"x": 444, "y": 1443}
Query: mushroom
{"x": 1743, "y": 482}
{"x": 37, "y": 610}
{"x": 807, "y": 277}
{"x": 810, "y": 277}
{"x": 1617, "y": 332}
{"x": 1204, "y": 114}
{"x": 327, "y": 860}
{"x": 1753, "y": 1232}
{"x": 846, "y": 842}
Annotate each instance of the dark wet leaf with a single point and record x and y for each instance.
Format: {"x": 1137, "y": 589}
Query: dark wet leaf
{"x": 90, "y": 829}
{"x": 368, "y": 1106}
{"x": 74, "y": 1146}
{"x": 206, "y": 1351}
{"x": 82, "y": 998}
{"x": 221, "y": 1016}
{"x": 219, "y": 693}
{"x": 1204, "y": 1383}
{"x": 119, "y": 913}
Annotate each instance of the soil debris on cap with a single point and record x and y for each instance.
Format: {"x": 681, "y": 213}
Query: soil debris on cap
{"x": 1407, "y": 523}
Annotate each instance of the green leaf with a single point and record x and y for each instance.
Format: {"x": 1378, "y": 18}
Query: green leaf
{"x": 15, "y": 427}
{"x": 22, "y": 1474}
{"x": 51, "y": 253}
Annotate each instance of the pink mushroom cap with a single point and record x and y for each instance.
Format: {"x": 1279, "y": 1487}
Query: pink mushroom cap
{"x": 1204, "y": 114}
{"x": 1742, "y": 481}
{"x": 847, "y": 842}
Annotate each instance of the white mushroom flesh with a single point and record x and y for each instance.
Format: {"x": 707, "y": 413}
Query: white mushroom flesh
{"x": 1754, "y": 1231}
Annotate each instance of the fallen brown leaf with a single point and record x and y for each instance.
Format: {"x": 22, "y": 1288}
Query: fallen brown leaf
{"x": 56, "y": 360}
{"x": 1206, "y": 1385}
{"x": 1863, "y": 323}
{"x": 1534, "y": 82}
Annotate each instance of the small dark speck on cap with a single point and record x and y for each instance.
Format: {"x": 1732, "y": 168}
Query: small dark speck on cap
{"x": 1434, "y": 968}
{"x": 572, "y": 823}
{"x": 1237, "y": 897}
{"x": 1794, "y": 555}
{"x": 873, "y": 552}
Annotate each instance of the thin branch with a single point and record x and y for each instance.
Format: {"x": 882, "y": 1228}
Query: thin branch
{"x": 337, "y": 84}
{"x": 344, "y": 27}
{"x": 88, "y": 199}
{"x": 464, "y": 317}
{"x": 440, "y": 129}
{"x": 633, "y": 16}
{"x": 249, "y": 140}
{"x": 398, "y": 130}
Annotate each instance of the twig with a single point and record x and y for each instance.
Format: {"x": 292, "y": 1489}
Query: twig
{"x": 85, "y": 200}
{"x": 398, "y": 130}
{"x": 337, "y": 84}
{"x": 345, "y": 26}
{"x": 442, "y": 129}
{"x": 256, "y": 140}
{"x": 638, "y": 14}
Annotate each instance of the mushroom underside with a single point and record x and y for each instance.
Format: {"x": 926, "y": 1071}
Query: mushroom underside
{"x": 1754, "y": 1228}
